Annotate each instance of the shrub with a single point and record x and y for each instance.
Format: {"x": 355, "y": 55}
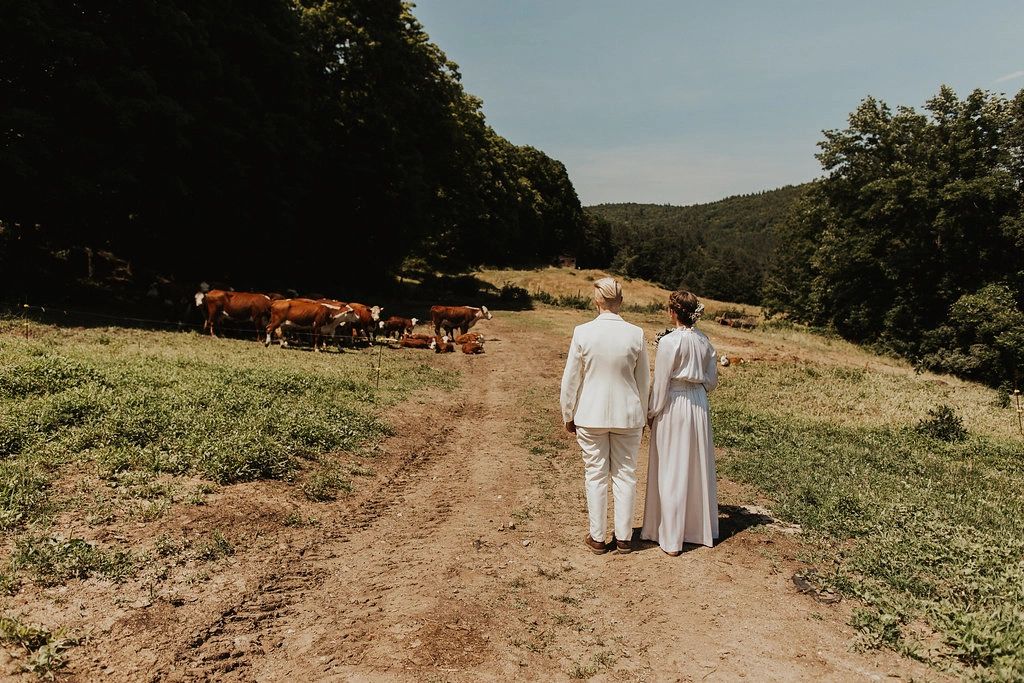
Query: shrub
{"x": 514, "y": 297}
{"x": 944, "y": 424}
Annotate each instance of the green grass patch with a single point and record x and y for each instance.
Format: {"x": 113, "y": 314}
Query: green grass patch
{"x": 326, "y": 483}
{"x": 44, "y": 648}
{"x": 179, "y": 403}
{"x": 920, "y": 527}
{"x": 54, "y": 561}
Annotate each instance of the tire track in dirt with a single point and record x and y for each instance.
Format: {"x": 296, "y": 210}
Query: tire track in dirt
{"x": 246, "y": 629}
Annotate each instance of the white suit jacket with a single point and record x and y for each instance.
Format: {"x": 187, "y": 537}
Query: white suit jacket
{"x": 606, "y": 378}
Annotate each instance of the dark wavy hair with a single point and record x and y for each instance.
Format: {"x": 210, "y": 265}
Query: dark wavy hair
{"x": 683, "y": 304}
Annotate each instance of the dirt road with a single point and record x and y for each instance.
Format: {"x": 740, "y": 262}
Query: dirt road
{"x": 461, "y": 559}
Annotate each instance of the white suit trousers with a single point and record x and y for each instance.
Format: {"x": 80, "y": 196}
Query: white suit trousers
{"x": 614, "y": 452}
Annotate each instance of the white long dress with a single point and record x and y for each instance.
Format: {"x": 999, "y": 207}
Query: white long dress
{"x": 682, "y": 494}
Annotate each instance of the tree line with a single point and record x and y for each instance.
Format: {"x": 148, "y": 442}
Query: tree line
{"x": 721, "y": 250}
{"x": 913, "y": 240}
{"x": 305, "y": 143}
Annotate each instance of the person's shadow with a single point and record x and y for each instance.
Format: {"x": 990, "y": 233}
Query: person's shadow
{"x": 732, "y": 519}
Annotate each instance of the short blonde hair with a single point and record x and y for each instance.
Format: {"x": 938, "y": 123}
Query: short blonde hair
{"x": 608, "y": 289}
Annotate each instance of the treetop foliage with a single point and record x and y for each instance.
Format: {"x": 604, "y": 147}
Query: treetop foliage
{"x": 914, "y": 238}
{"x": 306, "y": 143}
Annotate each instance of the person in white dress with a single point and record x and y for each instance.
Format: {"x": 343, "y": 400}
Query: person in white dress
{"x": 604, "y": 403}
{"x": 682, "y": 494}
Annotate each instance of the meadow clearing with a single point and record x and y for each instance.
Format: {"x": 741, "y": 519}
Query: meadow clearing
{"x": 179, "y": 508}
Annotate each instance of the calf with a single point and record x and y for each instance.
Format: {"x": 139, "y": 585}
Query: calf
{"x": 307, "y": 313}
{"x": 474, "y": 337}
{"x": 220, "y": 304}
{"x": 416, "y": 341}
{"x": 472, "y": 347}
{"x": 397, "y": 326}
{"x": 443, "y": 345}
{"x": 456, "y": 317}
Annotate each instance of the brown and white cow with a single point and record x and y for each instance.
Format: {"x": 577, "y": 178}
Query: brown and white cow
{"x": 443, "y": 344}
{"x": 220, "y": 304}
{"x": 317, "y": 316}
{"x": 328, "y": 329}
{"x": 457, "y": 317}
{"x": 474, "y": 337}
{"x": 397, "y": 326}
{"x": 366, "y": 323}
{"x": 416, "y": 341}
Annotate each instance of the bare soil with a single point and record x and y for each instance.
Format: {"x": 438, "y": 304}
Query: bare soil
{"x": 462, "y": 558}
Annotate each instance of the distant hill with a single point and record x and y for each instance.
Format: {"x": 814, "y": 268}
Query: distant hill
{"x": 720, "y": 249}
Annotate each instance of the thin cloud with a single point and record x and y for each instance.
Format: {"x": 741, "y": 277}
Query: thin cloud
{"x": 1010, "y": 77}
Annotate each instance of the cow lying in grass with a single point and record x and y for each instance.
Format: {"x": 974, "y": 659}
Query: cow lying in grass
{"x": 417, "y": 341}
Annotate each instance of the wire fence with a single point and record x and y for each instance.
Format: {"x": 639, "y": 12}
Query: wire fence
{"x": 68, "y": 313}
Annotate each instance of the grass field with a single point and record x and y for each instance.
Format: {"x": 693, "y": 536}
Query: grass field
{"x": 907, "y": 486}
{"x": 571, "y": 284}
{"x": 117, "y": 425}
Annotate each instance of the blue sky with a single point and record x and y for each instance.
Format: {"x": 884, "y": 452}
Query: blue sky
{"x": 681, "y": 102}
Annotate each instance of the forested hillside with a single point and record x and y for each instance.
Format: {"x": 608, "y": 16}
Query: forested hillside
{"x": 914, "y": 240}
{"x": 284, "y": 143}
{"x": 719, "y": 249}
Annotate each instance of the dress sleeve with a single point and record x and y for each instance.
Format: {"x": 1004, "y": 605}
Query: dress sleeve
{"x": 642, "y": 374}
{"x": 664, "y": 364}
{"x": 571, "y": 379}
{"x": 711, "y": 371}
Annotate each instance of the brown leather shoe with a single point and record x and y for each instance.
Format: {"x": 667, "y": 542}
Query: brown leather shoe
{"x": 596, "y": 547}
{"x": 623, "y": 546}
{"x": 675, "y": 553}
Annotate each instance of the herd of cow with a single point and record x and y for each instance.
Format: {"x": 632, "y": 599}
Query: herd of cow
{"x": 275, "y": 316}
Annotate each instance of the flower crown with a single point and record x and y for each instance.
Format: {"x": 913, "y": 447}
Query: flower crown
{"x": 697, "y": 313}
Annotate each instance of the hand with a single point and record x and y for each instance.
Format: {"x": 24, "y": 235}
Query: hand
{"x": 570, "y": 427}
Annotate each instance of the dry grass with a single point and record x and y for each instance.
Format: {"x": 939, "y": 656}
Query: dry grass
{"x": 568, "y": 282}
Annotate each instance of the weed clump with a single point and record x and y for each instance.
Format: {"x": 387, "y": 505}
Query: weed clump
{"x": 214, "y": 547}
{"x": 943, "y": 424}
{"x": 44, "y": 648}
{"x": 325, "y": 484}
{"x": 53, "y": 561}
{"x": 22, "y": 492}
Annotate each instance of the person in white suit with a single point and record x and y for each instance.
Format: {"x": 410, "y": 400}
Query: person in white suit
{"x": 604, "y": 403}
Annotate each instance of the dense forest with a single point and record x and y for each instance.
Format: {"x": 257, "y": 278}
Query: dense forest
{"x": 914, "y": 239}
{"x": 305, "y": 143}
{"x": 721, "y": 249}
